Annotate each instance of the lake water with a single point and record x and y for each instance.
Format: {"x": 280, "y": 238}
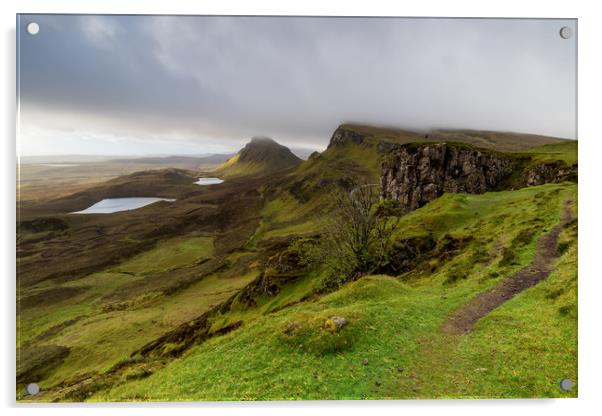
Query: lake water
{"x": 110, "y": 205}
{"x": 209, "y": 181}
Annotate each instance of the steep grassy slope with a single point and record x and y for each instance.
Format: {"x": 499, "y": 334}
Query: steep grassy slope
{"x": 299, "y": 202}
{"x": 392, "y": 346}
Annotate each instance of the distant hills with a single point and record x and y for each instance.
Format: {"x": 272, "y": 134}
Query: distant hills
{"x": 160, "y": 160}
{"x": 180, "y": 161}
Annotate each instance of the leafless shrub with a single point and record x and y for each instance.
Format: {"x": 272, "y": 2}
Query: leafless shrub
{"x": 358, "y": 240}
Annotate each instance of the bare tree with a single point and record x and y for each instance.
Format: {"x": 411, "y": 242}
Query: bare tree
{"x": 359, "y": 239}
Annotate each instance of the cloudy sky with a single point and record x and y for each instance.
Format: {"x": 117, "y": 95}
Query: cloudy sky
{"x": 125, "y": 85}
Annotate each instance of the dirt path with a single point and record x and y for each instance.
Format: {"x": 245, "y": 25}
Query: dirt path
{"x": 463, "y": 320}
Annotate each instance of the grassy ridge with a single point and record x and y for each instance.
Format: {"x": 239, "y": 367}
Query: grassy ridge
{"x": 392, "y": 346}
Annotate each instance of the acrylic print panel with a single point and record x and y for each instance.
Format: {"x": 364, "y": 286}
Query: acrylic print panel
{"x": 295, "y": 208}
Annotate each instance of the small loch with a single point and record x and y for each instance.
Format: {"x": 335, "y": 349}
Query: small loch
{"x": 110, "y": 205}
{"x": 208, "y": 181}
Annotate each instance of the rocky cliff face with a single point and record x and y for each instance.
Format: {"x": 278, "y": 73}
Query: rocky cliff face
{"x": 417, "y": 174}
{"x": 343, "y": 136}
{"x": 553, "y": 172}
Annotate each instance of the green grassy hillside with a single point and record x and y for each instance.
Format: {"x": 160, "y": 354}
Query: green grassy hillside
{"x": 565, "y": 152}
{"x": 392, "y": 346}
{"x": 108, "y": 315}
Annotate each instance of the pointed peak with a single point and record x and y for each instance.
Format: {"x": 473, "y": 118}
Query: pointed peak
{"x": 260, "y": 154}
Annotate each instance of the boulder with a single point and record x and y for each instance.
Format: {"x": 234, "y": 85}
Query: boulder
{"x": 335, "y": 323}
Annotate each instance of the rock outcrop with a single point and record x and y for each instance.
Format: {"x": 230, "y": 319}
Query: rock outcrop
{"x": 417, "y": 174}
{"x": 343, "y": 136}
{"x": 551, "y": 172}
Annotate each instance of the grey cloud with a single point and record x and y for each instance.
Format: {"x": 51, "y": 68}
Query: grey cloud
{"x": 295, "y": 79}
